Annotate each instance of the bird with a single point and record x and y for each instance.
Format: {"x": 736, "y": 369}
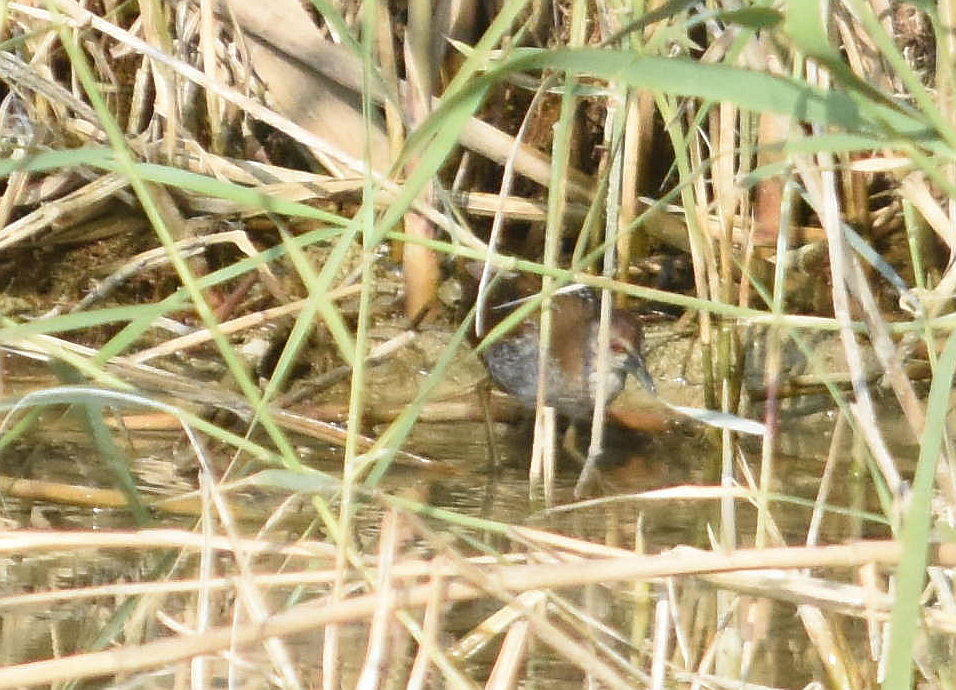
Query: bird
{"x": 572, "y": 366}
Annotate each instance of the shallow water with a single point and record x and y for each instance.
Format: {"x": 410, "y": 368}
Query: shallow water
{"x": 57, "y": 450}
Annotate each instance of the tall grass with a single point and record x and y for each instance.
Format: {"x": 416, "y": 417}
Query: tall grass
{"x": 803, "y": 130}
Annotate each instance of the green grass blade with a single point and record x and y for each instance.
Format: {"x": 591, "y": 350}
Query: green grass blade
{"x": 915, "y": 534}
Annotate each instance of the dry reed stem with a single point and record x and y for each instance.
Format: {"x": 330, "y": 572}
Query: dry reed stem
{"x": 726, "y": 227}
{"x": 682, "y": 561}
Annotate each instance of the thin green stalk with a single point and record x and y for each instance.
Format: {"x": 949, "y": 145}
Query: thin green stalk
{"x": 206, "y": 314}
{"x": 915, "y": 532}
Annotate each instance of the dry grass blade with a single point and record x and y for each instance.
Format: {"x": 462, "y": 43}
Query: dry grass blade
{"x": 768, "y": 192}
{"x": 514, "y": 579}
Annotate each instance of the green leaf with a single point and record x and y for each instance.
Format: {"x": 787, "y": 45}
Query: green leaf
{"x": 752, "y": 17}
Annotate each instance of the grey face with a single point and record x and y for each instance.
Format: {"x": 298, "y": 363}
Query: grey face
{"x": 573, "y": 358}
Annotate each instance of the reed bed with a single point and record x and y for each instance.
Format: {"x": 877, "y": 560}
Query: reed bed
{"x": 198, "y": 196}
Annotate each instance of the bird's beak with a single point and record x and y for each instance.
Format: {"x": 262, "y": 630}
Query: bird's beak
{"x": 635, "y": 364}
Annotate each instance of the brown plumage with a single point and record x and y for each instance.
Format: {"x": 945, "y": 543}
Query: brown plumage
{"x": 512, "y": 360}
